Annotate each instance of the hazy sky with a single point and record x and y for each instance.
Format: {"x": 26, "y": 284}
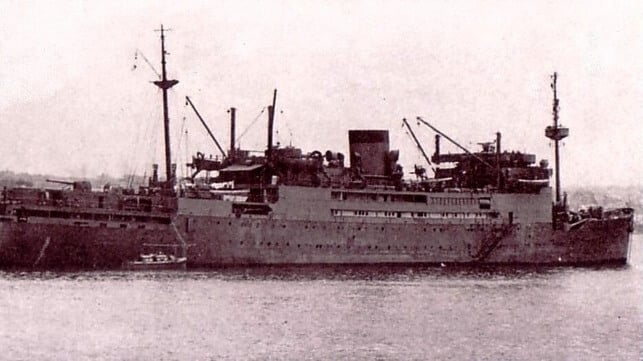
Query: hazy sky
{"x": 72, "y": 103}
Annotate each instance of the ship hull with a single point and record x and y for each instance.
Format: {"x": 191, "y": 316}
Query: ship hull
{"x": 325, "y": 226}
{"x": 61, "y": 246}
{"x": 232, "y": 241}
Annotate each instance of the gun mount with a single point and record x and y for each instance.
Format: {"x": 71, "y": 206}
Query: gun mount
{"x": 77, "y": 186}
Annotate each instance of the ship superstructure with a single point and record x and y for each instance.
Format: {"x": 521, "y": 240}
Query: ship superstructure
{"x": 288, "y": 206}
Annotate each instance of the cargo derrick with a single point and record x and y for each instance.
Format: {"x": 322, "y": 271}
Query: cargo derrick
{"x": 491, "y": 168}
{"x": 200, "y": 162}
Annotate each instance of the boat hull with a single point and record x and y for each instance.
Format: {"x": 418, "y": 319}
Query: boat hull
{"x": 179, "y": 264}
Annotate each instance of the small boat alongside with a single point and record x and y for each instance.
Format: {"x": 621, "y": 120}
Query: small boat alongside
{"x": 157, "y": 261}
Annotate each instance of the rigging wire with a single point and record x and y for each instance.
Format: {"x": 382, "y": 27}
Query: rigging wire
{"x": 134, "y": 67}
{"x": 141, "y": 130}
{"x": 144, "y": 134}
{"x": 285, "y": 124}
{"x": 249, "y": 126}
{"x": 148, "y": 143}
{"x": 178, "y": 148}
{"x": 187, "y": 155}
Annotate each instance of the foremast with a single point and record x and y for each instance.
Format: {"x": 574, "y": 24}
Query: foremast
{"x": 556, "y": 133}
{"x": 166, "y": 84}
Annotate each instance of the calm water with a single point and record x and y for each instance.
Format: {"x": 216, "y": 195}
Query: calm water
{"x": 326, "y": 314}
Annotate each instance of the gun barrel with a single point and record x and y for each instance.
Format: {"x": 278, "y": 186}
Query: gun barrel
{"x": 60, "y": 182}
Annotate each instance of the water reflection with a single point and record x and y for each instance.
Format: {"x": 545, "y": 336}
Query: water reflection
{"x": 397, "y": 273}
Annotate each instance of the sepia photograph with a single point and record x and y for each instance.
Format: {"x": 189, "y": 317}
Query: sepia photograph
{"x": 321, "y": 180}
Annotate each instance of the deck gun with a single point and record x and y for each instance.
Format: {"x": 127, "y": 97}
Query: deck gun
{"x": 77, "y": 186}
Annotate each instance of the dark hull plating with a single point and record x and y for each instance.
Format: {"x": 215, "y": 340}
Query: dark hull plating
{"x": 59, "y": 246}
{"x": 228, "y": 241}
{"x": 233, "y": 241}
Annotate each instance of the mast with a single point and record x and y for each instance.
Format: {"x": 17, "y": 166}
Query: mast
{"x": 556, "y": 133}
{"x": 233, "y": 112}
{"x": 166, "y": 84}
{"x": 271, "y": 121}
{"x": 498, "y": 171}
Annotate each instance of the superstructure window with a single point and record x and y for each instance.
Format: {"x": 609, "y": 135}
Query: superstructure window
{"x": 484, "y": 203}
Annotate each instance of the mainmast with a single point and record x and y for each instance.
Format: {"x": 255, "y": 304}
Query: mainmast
{"x": 556, "y": 133}
{"x": 166, "y": 84}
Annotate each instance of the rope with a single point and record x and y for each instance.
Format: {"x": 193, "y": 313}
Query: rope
{"x": 250, "y": 126}
{"x": 178, "y": 148}
{"x": 134, "y": 67}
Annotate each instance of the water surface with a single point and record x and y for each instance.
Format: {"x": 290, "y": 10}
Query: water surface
{"x": 317, "y": 313}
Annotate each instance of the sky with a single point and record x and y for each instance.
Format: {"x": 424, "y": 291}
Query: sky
{"x": 76, "y": 98}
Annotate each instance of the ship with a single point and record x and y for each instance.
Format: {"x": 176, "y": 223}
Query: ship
{"x": 290, "y": 207}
